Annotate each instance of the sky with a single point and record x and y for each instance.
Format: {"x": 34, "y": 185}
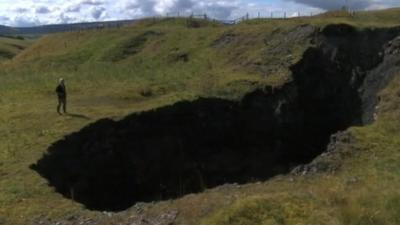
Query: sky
{"x": 25, "y": 13}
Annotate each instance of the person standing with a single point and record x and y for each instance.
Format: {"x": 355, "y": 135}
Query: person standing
{"x": 62, "y": 96}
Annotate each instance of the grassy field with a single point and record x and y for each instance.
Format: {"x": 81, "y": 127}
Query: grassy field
{"x": 114, "y": 72}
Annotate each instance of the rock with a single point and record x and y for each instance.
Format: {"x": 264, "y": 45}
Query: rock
{"x": 353, "y": 180}
{"x": 167, "y": 218}
{"x": 329, "y": 161}
{"x": 224, "y": 40}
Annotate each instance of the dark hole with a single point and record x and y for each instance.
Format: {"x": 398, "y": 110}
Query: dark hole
{"x": 190, "y": 146}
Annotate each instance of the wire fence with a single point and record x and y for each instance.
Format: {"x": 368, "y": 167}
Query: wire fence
{"x": 271, "y": 15}
{"x": 247, "y": 16}
{"x": 344, "y": 11}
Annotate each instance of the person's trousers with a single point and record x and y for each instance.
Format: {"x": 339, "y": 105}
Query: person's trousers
{"x": 62, "y": 102}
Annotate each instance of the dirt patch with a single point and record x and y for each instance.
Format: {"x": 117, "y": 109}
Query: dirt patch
{"x": 179, "y": 57}
{"x": 130, "y": 47}
{"x": 19, "y": 47}
{"x": 283, "y": 47}
{"x": 197, "y": 23}
{"x": 6, "y": 55}
{"x": 224, "y": 40}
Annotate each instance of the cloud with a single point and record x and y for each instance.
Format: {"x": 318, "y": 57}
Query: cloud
{"x": 97, "y": 12}
{"x": 73, "y": 8}
{"x": 140, "y": 7}
{"x": 64, "y": 19}
{"x": 21, "y": 21}
{"x": 39, "y": 12}
{"x": 216, "y": 8}
{"x": 4, "y": 19}
{"x": 91, "y": 2}
{"x": 353, "y": 4}
{"x": 182, "y": 5}
{"x": 42, "y": 10}
{"x": 20, "y": 10}
{"x": 220, "y": 10}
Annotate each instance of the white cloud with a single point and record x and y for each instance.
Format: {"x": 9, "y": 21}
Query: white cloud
{"x": 73, "y": 8}
{"x": 97, "y": 12}
{"x": 20, "y": 10}
{"x": 4, "y": 19}
{"x": 37, "y": 12}
{"x": 23, "y": 21}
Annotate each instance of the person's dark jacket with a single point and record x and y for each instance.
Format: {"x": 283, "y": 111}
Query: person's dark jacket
{"x": 61, "y": 92}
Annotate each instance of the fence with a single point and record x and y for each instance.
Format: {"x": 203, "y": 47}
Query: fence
{"x": 247, "y": 16}
{"x": 259, "y": 15}
{"x": 189, "y": 15}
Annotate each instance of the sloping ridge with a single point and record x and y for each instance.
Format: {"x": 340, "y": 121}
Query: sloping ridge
{"x": 55, "y": 28}
{"x": 190, "y": 146}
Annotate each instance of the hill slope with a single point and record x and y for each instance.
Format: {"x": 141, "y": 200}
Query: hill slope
{"x": 10, "y": 47}
{"x": 243, "y": 83}
{"x": 48, "y": 29}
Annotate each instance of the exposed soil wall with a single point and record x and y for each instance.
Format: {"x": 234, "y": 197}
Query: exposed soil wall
{"x": 190, "y": 146}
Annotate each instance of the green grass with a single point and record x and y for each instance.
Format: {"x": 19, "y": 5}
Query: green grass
{"x": 362, "y": 19}
{"x": 107, "y": 73}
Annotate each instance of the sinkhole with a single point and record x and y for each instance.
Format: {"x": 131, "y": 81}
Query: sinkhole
{"x": 191, "y": 146}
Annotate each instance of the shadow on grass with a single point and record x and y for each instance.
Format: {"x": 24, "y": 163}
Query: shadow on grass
{"x": 79, "y": 116}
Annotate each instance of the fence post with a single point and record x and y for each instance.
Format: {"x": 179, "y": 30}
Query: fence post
{"x": 272, "y": 15}
{"x": 205, "y": 16}
{"x": 247, "y": 16}
{"x": 284, "y": 15}
{"x": 259, "y": 15}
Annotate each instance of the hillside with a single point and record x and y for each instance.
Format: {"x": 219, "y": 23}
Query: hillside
{"x": 10, "y": 47}
{"x": 264, "y": 122}
{"x": 56, "y": 28}
{"x": 6, "y": 30}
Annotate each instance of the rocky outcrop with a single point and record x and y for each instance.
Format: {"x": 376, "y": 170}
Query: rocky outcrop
{"x": 341, "y": 145}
